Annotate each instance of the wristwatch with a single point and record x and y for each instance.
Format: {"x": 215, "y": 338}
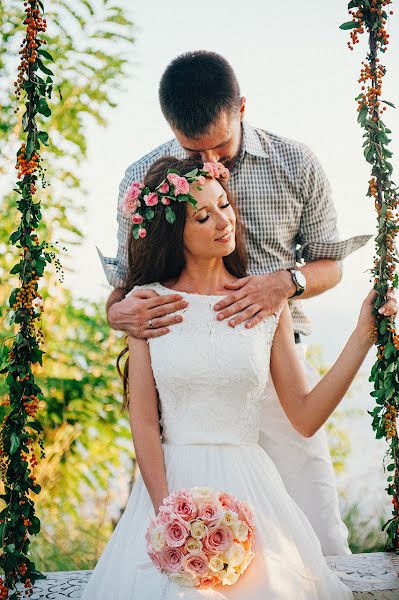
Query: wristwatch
{"x": 299, "y": 280}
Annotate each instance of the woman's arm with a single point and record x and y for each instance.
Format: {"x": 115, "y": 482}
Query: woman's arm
{"x": 144, "y": 421}
{"x": 309, "y": 409}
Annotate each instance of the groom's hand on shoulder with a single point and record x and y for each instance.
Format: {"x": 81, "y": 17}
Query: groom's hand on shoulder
{"x": 145, "y": 313}
{"x": 254, "y": 298}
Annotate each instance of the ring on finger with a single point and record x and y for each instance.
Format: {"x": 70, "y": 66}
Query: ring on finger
{"x": 150, "y": 323}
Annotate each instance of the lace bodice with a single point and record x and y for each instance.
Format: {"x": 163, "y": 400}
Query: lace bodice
{"x": 211, "y": 378}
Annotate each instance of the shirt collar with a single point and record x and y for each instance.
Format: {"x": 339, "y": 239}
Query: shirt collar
{"x": 251, "y": 142}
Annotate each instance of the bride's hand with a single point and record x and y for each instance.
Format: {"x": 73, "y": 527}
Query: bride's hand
{"x": 367, "y": 318}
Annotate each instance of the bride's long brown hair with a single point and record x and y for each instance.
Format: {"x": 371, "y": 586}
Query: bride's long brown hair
{"x": 160, "y": 256}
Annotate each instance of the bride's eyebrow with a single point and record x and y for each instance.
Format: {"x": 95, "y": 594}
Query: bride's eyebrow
{"x": 203, "y": 207}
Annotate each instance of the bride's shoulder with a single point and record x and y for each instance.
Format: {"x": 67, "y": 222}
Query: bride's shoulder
{"x": 155, "y": 285}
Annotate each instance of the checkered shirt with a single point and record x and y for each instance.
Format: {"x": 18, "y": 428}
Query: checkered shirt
{"x": 284, "y": 201}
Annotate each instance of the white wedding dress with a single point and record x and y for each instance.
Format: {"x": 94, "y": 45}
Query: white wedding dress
{"x": 211, "y": 381}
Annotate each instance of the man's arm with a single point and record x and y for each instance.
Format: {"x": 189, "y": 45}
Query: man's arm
{"x": 321, "y": 275}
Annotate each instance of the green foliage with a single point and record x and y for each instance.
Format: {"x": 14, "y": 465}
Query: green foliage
{"x": 85, "y": 436}
{"x": 372, "y": 18}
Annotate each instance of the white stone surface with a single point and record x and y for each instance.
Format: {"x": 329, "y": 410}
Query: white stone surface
{"x": 369, "y": 576}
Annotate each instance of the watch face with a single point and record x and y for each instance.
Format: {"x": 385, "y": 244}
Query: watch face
{"x": 301, "y": 279}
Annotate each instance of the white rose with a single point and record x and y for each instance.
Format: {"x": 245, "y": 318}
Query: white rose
{"x": 202, "y": 493}
{"x": 184, "y": 579}
{"x": 230, "y": 577}
{"x": 216, "y": 563}
{"x": 235, "y": 555}
{"x": 157, "y": 539}
{"x": 198, "y": 530}
{"x": 230, "y": 518}
{"x": 245, "y": 563}
{"x": 241, "y": 531}
{"x": 193, "y": 546}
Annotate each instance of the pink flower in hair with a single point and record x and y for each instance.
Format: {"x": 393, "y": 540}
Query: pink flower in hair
{"x": 142, "y": 232}
{"x": 201, "y": 180}
{"x": 130, "y": 200}
{"x": 151, "y": 199}
{"x": 164, "y": 188}
{"x": 137, "y": 219}
{"x": 180, "y": 184}
{"x": 211, "y": 169}
{"x": 165, "y": 200}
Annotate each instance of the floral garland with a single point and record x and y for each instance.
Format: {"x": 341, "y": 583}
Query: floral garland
{"x": 20, "y": 429}
{"x": 139, "y": 202}
{"x": 371, "y": 16}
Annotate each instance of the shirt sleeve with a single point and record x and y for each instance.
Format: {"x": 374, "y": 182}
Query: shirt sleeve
{"x": 116, "y": 269}
{"x": 318, "y": 234}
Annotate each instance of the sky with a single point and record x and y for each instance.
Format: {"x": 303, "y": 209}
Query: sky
{"x": 300, "y": 81}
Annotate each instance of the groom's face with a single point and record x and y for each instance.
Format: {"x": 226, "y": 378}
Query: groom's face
{"x": 220, "y": 143}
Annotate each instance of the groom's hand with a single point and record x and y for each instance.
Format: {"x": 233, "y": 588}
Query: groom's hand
{"x": 146, "y": 314}
{"x": 255, "y": 298}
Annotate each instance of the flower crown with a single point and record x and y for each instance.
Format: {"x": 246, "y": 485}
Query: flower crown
{"x": 140, "y": 202}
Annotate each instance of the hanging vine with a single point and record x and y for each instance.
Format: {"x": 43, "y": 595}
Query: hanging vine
{"x": 21, "y": 431}
{"x": 371, "y": 17}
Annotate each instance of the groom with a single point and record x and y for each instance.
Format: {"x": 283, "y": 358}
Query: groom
{"x": 285, "y": 204}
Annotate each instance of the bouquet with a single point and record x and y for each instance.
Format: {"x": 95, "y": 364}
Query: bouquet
{"x": 201, "y": 538}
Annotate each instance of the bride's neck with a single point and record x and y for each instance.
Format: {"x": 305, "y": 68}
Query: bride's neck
{"x": 205, "y": 277}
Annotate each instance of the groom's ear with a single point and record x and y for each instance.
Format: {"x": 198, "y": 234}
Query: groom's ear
{"x": 242, "y": 107}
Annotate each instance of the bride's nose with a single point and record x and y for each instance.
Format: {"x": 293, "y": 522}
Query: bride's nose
{"x": 223, "y": 221}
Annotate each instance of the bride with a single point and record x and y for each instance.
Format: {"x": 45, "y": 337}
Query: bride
{"x": 194, "y": 399}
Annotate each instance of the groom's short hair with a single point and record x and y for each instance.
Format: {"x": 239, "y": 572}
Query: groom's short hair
{"x": 195, "y": 88}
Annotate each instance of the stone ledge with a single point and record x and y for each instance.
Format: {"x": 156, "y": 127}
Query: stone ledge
{"x": 369, "y": 576}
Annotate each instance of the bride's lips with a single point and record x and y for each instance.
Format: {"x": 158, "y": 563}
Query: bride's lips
{"x": 224, "y": 238}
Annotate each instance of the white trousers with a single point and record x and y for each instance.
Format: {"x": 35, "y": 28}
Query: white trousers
{"x": 306, "y": 468}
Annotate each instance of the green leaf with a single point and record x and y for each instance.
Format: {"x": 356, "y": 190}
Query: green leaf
{"x": 45, "y": 54}
{"x": 43, "y": 68}
{"x": 15, "y": 442}
{"x": 348, "y": 25}
{"x": 170, "y": 214}
{"x": 11, "y": 548}
{"x": 43, "y": 137}
{"x": 192, "y": 173}
{"x": 43, "y": 107}
{"x": 149, "y": 214}
{"x": 391, "y": 467}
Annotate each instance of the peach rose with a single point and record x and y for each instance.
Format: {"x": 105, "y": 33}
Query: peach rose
{"x": 142, "y": 232}
{"x": 164, "y": 188}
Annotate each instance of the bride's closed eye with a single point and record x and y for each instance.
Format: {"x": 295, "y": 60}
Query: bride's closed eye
{"x": 207, "y": 216}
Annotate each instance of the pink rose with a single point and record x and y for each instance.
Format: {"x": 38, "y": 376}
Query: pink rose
{"x": 142, "y": 232}
{"x": 196, "y": 564}
{"x": 155, "y": 559}
{"x": 176, "y": 533}
{"x": 151, "y": 199}
{"x": 218, "y": 539}
{"x": 164, "y": 515}
{"x": 201, "y": 180}
{"x": 130, "y": 200}
{"x": 180, "y": 184}
{"x": 210, "y": 511}
{"x": 245, "y": 514}
{"x": 165, "y": 200}
{"x": 227, "y": 501}
{"x": 164, "y": 188}
{"x": 211, "y": 169}
{"x": 137, "y": 219}
{"x": 169, "y": 500}
{"x": 171, "y": 559}
{"x": 184, "y": 507}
